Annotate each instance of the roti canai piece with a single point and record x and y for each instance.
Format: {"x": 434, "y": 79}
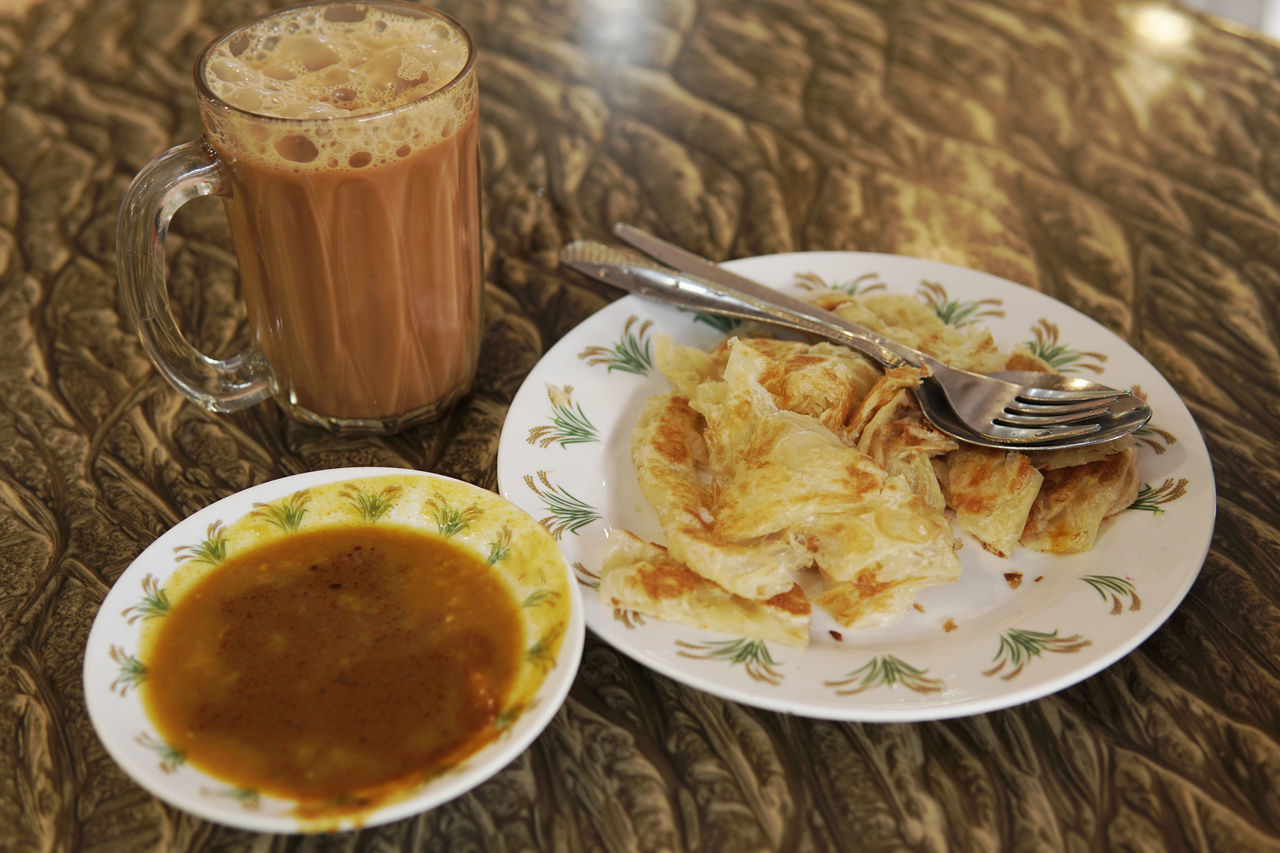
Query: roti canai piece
{"x": 822, "y": 380}
{"x": 643, "y": 577}
{"x": 666, "y": 447}
{"x": 1073, "y": 502}
{"x": 783, "y": 474}
{"x": 992, "y": 492}
{"x": 685, "y": 367}
{"x": 889, "y": 427}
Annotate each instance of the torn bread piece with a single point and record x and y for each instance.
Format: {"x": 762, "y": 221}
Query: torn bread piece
{"x": 889, "y": 427}
{"x": 992, "y": 492}
{"x": 873, "y": 597}
{"x": 781, "y": 474}
{"x": 643, "y": 577}
{"x": 1074, "y": 501}
{"x": 665, "y": 448}
{"x": 874, "y": 564}
{"x": 821, "y": 380}
{"x": 685, "y": 367}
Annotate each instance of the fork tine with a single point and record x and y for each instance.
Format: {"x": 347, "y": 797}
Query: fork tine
{"x": 1012, "y": 419}
{"x": 1057, "y": 410}
{"x": 1065, "y": 395}
{"x": 1042, "y": 434}
{"x": 1107, "y": 429}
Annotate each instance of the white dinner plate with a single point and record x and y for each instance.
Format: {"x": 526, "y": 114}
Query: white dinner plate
{"x": 1009, "y": 631}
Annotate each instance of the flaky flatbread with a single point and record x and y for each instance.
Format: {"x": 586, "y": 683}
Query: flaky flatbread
{"x": 783, "y": 475}
{"x": 821, "y": 380}
{"x": 643, "y": 577}
{"x": 772, "y": 457}
{"x": 1073, "y": 502}
{"x": 889, "y": 427}
{"x": 756, "y": 567}
{"x": 992, "y": 492}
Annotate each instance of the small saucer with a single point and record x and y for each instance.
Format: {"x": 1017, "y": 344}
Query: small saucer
{"x": 500, "y": 534}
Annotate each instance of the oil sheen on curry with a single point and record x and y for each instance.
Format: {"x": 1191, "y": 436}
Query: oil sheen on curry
{"x": 338, "y": 667}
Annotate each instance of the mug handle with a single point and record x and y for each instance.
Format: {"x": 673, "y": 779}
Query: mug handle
{"x": 165, "y": 184}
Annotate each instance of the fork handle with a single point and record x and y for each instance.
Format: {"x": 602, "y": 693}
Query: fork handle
{"x": 636, "y": 274}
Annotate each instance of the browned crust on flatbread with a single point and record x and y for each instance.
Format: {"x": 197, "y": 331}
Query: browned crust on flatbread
{"x": 670, "y": 430}
{"x": 968, "y": 482}
{"x": 1073, "y": 502}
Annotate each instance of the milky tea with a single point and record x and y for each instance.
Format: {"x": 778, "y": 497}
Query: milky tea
{"x": 348, "y": 134}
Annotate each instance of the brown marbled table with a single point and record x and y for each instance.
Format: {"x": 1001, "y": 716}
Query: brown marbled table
{"x": 1126, "y": 165}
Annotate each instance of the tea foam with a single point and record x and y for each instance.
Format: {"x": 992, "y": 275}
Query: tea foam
{"x": 354, "y": 63}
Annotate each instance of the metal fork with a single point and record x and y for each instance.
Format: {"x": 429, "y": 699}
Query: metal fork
{"x": 1027, "y": 410}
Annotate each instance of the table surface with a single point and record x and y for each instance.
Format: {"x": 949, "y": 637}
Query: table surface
{"x": 1124, "y": 159}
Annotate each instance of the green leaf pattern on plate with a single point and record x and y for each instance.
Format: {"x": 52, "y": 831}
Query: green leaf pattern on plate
{"x": 724, "y": 325}
{"x": 631, "y": 353}
{"x": 957, "y": 312}
{"x": 1151, "y": 499}
{"x": 369, "y": 505}
{"x": 885, "y": 671}
{"x": 155, "y": 602}
{"x": 211, "y": 550}
{"x": 568, "y": 513}
{"x": 630, "y": 618}
{"x": 586, "y": 577}
{"x": 508, "y": 716}
{"x": 500, "y": 547}
{"x": 1045, "y": 344}
{"x": 248, "y": 798}
{"x": 450, "y": 518}
{"x": 1117, "y": 589}
{"x": 751, "y": 653}
{"x": 569, "y": 424}
{"x": 132, "y": 671}
{"x": 1018, "y": 647}
{"x": 170, "y": 757}
{"x": 540, "y": 653}
{"x": 287, "y": 513}
{"x": 1154, "y": 438}
{"x": 864, "y": 283}
{"x": 538, "y": 598}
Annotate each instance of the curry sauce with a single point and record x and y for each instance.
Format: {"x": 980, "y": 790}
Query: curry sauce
{"x": 339, "y": 665}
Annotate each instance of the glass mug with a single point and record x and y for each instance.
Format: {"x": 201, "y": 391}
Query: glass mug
{"x": 343, "y": 139}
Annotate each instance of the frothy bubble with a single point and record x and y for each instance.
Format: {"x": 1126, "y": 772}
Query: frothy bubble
{"x": 342, "y": 61}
